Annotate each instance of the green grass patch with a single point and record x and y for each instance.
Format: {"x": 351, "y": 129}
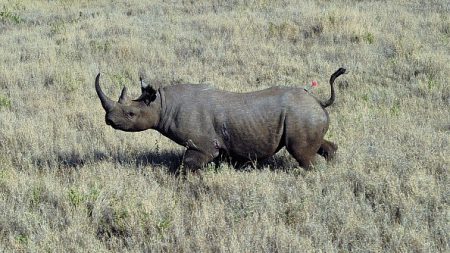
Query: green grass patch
{"x": 10, "y": 16}
{"x": 5, "y": 102}
{"x": 75, "y": 197}
{"x": 369, "y": 38}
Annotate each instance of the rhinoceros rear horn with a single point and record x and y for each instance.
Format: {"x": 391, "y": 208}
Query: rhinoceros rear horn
{"x": 123, "y": 96}
{"x": 107, "y": 103}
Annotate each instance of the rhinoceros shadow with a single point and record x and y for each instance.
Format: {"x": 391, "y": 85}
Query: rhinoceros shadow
{"x": 276, "y": 162}
{"x": 168, "y": 160}
{"x": 173, "y": 159}
{"x": 164, "y": 159}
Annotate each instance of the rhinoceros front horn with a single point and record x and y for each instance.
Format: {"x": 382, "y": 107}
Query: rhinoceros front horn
{"x": 107, "y": 103}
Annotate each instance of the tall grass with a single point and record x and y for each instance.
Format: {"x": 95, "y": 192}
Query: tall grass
{"x": 68, "y": 182}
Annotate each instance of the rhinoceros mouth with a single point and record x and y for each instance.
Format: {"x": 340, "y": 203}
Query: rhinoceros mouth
{"x": 116, "y": 126}
{"x": 111, "y": 123}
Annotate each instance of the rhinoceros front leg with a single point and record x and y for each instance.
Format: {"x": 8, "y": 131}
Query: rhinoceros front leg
{"x": 194, "y": 160}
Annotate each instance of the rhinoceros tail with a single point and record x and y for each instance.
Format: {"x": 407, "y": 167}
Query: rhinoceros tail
{"x": 330, "y": 101}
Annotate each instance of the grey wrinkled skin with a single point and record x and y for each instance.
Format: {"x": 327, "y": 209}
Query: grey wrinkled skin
{"x": 245, "y": 126}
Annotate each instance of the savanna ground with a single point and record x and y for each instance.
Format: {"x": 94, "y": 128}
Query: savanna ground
{"x": 68, "y": 182}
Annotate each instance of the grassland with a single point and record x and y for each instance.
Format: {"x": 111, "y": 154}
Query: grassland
{"x": 69, "y": 183}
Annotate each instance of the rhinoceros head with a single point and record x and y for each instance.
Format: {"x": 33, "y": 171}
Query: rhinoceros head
{"x": 131, "y": 115}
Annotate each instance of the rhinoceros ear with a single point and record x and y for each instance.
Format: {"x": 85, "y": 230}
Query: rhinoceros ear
{"x": 145, "y": 86}
{"x": 148, "y": 93}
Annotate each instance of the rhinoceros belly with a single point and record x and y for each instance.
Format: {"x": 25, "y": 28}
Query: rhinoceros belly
{"x": 253, "y": 135}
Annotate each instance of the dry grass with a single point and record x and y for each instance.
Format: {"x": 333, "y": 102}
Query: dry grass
{"x": 68, "y": 182}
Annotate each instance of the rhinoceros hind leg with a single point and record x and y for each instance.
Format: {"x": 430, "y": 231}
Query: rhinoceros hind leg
{"x": 327, "y": 150}
{"x": 303, "y": 155}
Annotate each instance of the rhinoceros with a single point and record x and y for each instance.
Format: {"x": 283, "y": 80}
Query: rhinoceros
{"x": 243, "y": 126}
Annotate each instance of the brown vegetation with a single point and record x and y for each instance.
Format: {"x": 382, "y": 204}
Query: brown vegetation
{"x": 69, "y": 183}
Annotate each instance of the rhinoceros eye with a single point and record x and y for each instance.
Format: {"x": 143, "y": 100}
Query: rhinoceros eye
{"x": 129, "y": 113}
